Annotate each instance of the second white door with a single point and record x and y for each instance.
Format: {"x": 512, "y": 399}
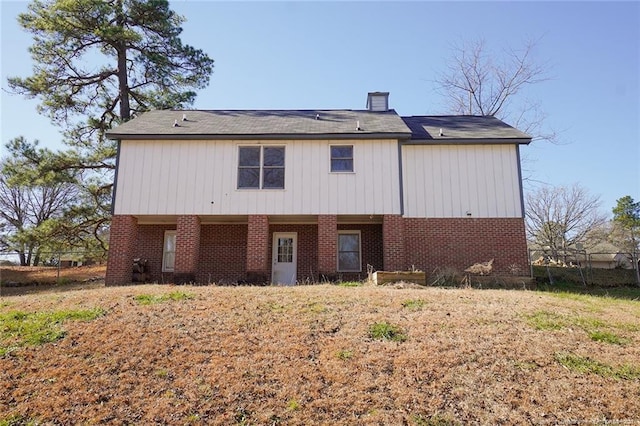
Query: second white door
{"x": 284, "y": 258}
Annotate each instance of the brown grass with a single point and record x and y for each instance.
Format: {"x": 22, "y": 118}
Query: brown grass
{"x": 44, "y": 275}
{"x": 304, "y": 355}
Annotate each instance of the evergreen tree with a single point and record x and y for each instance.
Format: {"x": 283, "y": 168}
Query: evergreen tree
{"x": 97, "y": 63}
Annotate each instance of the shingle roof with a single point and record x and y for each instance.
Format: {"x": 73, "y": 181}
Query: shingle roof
{"x": 263, "y": 123}
{"x": 462, "y": 128}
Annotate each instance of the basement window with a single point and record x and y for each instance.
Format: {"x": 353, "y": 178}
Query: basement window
{"x": 261, "y": 167}
{"x": 341, "y": 158}
{"x": 349, "y": 256}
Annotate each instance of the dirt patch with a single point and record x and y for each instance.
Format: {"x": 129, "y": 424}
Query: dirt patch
{"x": 304, "y": 355}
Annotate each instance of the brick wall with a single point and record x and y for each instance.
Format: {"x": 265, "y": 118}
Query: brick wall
{"x": 461, "y": 242}
{"x": 187, "y": 249}
{"x": 223, "y": 254}
{"x": 122, "y": 241}
{"x": 258, "y": 264}
{"x": 327, "y": 244}
{"x": 394, "y": 243}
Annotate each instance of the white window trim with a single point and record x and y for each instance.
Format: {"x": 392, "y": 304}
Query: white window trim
{"x": 353, "y": 159}
{"x": 350, "y": 232}
{"x": 261, "y": 172}
{"x": 164, "y": 252}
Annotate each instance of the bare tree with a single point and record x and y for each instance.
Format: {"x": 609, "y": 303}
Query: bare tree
{"x": 28, "y": 214}
{"x": 558, "y": 218}
{"x": 479, "y": 82}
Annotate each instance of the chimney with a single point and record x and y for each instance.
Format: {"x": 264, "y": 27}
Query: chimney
{"x": 378, "y": 101}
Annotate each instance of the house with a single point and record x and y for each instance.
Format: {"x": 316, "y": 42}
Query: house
{"x": 286, "y": 196}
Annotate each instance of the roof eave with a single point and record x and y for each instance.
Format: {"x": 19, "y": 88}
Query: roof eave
{"x": 467, "y": 141}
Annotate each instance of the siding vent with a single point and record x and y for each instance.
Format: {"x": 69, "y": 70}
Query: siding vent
{"x": 378, "y": 101}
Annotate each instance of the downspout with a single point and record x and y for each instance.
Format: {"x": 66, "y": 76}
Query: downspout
{"x": 520, "y": 181}
{"x": 400, "y": 176}
{"x": 115, "y": 179}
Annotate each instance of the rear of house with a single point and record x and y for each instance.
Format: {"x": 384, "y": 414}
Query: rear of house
{"x": 288, "y": 196}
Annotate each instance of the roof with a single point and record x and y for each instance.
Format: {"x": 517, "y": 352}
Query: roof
{"x": 462, "y": 129}
{"x": 249, "y": 124}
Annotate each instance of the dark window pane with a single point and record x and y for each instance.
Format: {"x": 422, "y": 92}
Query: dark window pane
{"x": 341, "y": 165}
{"x": 342, "y": 158}
{"x": 348, "y": 242}
{"x": 349, "y": 261}
{"x": 273, "y": 178}
{"x": 249, "y": 156}
{"x": 285, "y": 250}
{"x": 273, "y": 156}
{"x": 342, "y": 151}
{"x": 249, "y": 178}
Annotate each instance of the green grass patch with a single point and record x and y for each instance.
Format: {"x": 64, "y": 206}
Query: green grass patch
{"x": 579, "y": 292}
{"x": 344, "y": 354}
{"x": 386, "y": 331}
{"x": 350, "y": 284}
{"x": 19, "y": 328}
{"x": 293, "y": 405}
{"x": 544, "y": 320}
{"x": 150, "y": 299}
{"x": 586, "y": 365}
{"x": 18, "y": 420}
{"x": 608, "y": 337}
{"x": 414, "y": 304}
{"x": 275, "y": 307}
{"x": 594, "y": 327}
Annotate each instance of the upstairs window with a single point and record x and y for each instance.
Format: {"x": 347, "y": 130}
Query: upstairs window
{"x": 261, "y": 167}
{"x": 341, "y": 158}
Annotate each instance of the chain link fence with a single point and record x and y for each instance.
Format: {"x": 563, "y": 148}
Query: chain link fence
{"x": 604, "y": 269}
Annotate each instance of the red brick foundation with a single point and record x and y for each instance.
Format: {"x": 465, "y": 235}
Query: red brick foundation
{"x": 122, "y": 245}
{"x": 231, "y": 253}
{"x": 459, "y": 243}
{"x": 394, "y": 243}
{"x": 258, "y": 249}
{"x": 327, "y": 244}
{"x": 187, "y": 249}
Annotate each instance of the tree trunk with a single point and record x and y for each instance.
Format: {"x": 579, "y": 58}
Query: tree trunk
{"x": 123, "y": 82}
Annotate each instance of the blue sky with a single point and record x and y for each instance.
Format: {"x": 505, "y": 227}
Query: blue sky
{"x": 298, "y": 55}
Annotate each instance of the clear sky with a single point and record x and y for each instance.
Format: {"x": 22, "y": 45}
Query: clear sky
{"x": 308, "y": 55}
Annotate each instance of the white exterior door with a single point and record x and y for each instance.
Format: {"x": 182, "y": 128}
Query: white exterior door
{"x": 284, "y": 270}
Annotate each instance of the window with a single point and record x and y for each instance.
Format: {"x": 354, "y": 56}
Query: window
{"x": 261, "y": 167}
{"x": 349, "y": 251}
{"x": 169, "y": 251}
{"x": 342, "y": 158}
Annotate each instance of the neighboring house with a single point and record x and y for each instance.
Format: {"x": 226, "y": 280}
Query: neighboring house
{"x": 307, "y": 195}
{"x": 608, "y": 256}
{"x": 600, "y": 256}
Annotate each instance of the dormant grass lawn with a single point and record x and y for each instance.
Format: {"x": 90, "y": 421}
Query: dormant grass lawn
{"x": 318, "y": 355}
